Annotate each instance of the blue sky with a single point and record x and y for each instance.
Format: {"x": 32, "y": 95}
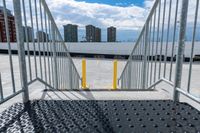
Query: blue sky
{"x": 123, "y": 3}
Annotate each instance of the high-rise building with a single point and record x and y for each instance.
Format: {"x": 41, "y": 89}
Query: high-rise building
{"x": 111, "y": 34}
{"x": 11, "y": 26}
{"x": 93, "y": 34}
{"x": 70, "y": 33}
{"x": 29, "y": 33}
{"x": 90, "y": 33}
{"x": 42, "y": 36}
{"x": 97, "y": 34}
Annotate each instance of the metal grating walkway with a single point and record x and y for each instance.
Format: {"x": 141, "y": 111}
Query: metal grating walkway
{"x": 101, "y": 116}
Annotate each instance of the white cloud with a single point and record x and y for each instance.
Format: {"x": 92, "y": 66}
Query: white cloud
{"x": 102, "y": 15}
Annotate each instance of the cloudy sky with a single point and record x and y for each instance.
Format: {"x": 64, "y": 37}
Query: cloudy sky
{"x": 127, "y": 15}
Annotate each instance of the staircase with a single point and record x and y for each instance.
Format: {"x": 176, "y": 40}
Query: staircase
{"x": 149, "y": 96}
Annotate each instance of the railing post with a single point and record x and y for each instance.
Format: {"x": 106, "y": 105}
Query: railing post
{"x": 145, "y": 56}
{"x": 21, "y": 50}
{"x": 115, "y": 75}
{"x": 54, "y": 56}
{"x": 181, "y": 48}
{"x": 84, "y": 82}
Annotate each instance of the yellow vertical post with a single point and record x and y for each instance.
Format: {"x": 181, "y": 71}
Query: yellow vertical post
{"x": 115, "y": 75}
{"x": 84, "y": 74}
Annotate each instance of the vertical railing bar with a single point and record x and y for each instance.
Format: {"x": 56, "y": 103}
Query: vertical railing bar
{"x": 132, "y": 84}
{"x": 52, "y": 53}
{"x": 136, "y": 70}
{"x": 173, "y": 41}
{"x": 149, "y": 50}
{"x": 129, "y": 72}
{"x": 54, "y": 56}
{"x": 43, "y": 42}
{"x": 162, "y": 38}
{"x": 166, "y": 48}
{"x": 1, "y": 89}
{"x": 65, "y": 75}
{"x": 152, "y": 55}
{"x": 144, "y": 82}
{"x": 59, "y": 52}
{"x": 142, "y": 63}
{"x": 139, "y": 64}
{"x": 27, "y": 40}
{"x": 33, "y": 40}
{"x": 133, "y": 71}
{"x": 57, "y": 57}
{"x": 181, "y": 48}
{"x": 63, "y": 67}
{"x": 62, "y": 70}
{"x": 193, "y": 44}
{"x": 21, "y": 50}
{"x": 47, "y": 42}
{"x": 9, "y": 46}
{"x": 59, "y": 62}
{"x": 38, "y": 41}
{"x": 158, "y": 31}
{"x": 70, "y": 74}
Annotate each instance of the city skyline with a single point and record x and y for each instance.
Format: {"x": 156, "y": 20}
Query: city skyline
{"x": 92, "y": 33}
{"x": 128, "y": 16}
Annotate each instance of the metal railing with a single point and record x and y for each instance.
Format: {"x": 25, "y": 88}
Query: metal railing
{"x": 43, "y": 55}
{"x": 159, "y": 52}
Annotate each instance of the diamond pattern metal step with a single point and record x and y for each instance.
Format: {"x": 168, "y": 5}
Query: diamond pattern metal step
{"x": 101, "y": 117}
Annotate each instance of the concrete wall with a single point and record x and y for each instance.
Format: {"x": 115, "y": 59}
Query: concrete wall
{"x": 122, "y": 48}
{"x": 117, "y": 48}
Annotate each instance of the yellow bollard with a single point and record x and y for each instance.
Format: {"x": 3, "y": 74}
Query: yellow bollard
{"x": 115, "y": 75}
{"x": 84, "y": 74}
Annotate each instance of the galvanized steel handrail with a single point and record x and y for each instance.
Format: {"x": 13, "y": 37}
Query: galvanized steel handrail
{"x": 63, "y": 42}
{"x": 150, "y": 63}
{"x": 45, "y": 58}
{"x": 140, "y": 35}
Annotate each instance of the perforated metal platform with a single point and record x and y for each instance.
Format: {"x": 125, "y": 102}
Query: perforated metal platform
{"x": 101, "y": 117}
